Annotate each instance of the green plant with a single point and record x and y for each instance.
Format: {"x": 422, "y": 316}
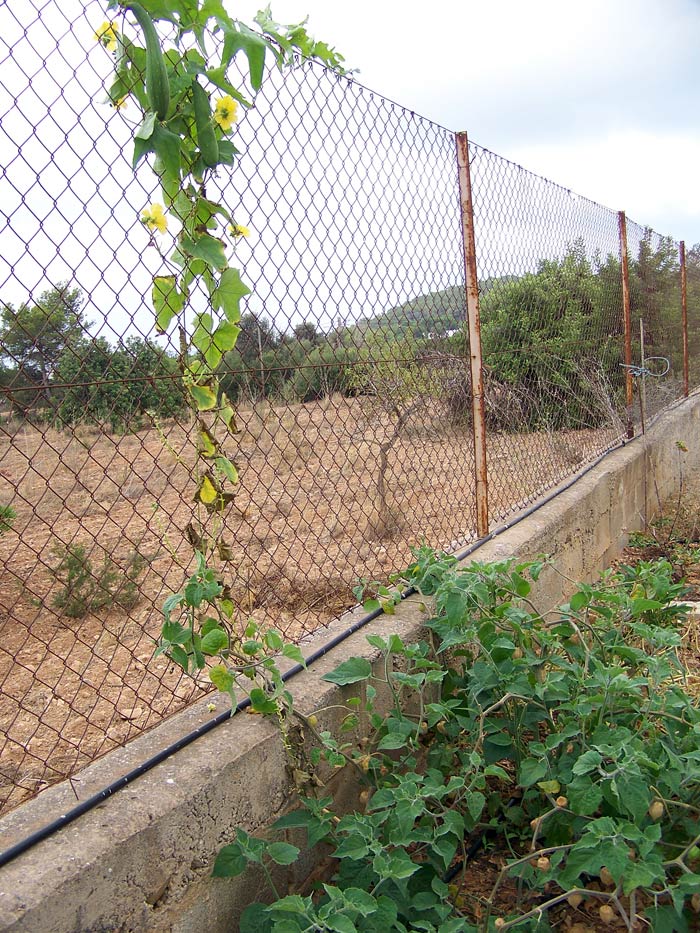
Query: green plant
{"x": 87, "y": 587}
{"x": 189, "y": 107}
{"x": 7, "y": 518}
{"x": 565, "y": 737}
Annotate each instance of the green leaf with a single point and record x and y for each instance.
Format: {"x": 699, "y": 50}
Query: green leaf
{"x": 179, "y": 656}
{"x": 225, "y": 336}
{"x": 293, "y": 652}
{"x": 587, "y": 762}
{"x": 339, "y": 923}
{"x": 229, "y": 293}
{"x": 520, "y": 584}
{"x": 584, "y": 796}
{"x": 475, "y": 804}
{"x": 549, "y": 787}
{"x": 261, "y": 703}
{"x": 222, "y": 678}
{"x": 166, "y": 146}
{"x": 352, "y": 847}
{"x": 349, "y": 672}
{"x": 578, "y": 601}
{"x": 204, "y": 397}
{"x": 214, "y": 641}
{"x": 167, "y": 301}
{"x": 207, "y": 248}
{"x": 230, "y": 862}
{"x": 228, "y": 469}
{"x": 641, "y": 875}
{"x": 282, "y": 853}
{"x": 531, "y": 771}
{"x": 252, "y": 44}
{"x": 391, "y": 741}
{"x": 294, "y": 903}
{"x": 145, "y": 131}
{"x": 255, "y": 918}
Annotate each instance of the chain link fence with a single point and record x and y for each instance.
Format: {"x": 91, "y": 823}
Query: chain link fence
{"x": 351, "y": 376}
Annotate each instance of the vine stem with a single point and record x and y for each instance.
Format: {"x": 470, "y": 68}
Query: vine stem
{"x": 552, "y": 902}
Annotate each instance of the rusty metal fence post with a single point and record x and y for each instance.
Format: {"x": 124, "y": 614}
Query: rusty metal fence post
{"x": 474, "y": 321}
{"x": 627, "y": 320}
{"x": 684, "y": 317}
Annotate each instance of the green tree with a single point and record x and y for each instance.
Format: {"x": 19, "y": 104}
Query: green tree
{"x": 118, "y": 385}
{"x": 33, "y": 336}
{"x": 550, "y": 334}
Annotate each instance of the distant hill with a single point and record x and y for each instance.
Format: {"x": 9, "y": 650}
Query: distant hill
{"x": 436, "y": 313}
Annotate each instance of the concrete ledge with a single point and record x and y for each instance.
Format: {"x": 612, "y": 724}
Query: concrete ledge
{"x": 141, "y": 861}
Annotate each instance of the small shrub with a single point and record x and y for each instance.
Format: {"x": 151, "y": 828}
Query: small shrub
{"x": 86, "y": 588}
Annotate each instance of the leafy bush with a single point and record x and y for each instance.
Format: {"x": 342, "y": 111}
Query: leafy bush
{"x": 118, "y": 385}
{"x": 566, "y": 738}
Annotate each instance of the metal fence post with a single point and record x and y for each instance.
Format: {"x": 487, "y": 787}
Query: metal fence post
{"x": 627, "y": 319}
{"x": 476, "y": 364}
{"x": 684, "y": 318}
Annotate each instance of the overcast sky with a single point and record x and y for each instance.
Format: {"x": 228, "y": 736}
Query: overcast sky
{"x": 351, "y": 202}
{"x": 601, "y": 96}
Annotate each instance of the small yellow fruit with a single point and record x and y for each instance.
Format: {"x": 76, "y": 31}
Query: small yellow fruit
{"x": 364, "y": 797}
{"x": 364, "y": 762}
{"x": 543, "y": 863}
{"x": 534, "y": 823}
{"x": 518, "y": 653}
{"x": 423, "y": 727}
{"x": 632, "y": 854}
{"x": 606, "y": 877}
{"x": 313, "y": 720}
{"x": 441, "y": 727}
{"x": 607, "y": 914}
{"x": 499, "y": 923}
{"x": 569, "y": 748}
{"x": 695, "y": 903}
{"x": 575, "y": 900}
{"x": 562, "y": 801}
{"x": 656, "y": 810}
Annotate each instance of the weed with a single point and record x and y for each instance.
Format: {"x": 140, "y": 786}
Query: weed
{"x": 87, "y": 588}
{"x": 7, "y": 518}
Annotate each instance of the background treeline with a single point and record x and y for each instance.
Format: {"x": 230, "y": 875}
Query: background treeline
{"x": 552, "y": 344}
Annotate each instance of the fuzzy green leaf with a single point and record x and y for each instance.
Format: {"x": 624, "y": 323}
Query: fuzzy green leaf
{"x": 349, "y": 672}
{"x": 229, "y": 293}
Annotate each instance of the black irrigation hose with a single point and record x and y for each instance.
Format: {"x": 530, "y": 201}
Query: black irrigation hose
{"x": 39, "y": 835}
{"x": 478, "y": 843}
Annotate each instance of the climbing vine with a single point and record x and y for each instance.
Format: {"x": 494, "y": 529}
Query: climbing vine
{"x": 189, "y": 106}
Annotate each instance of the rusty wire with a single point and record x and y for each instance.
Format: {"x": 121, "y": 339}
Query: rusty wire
{"x": 351, "y": 377}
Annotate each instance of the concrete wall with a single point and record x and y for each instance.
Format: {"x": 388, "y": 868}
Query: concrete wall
{"x": 141, "y": 861}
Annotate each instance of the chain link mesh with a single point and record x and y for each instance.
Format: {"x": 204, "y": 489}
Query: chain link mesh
{"x": 351, "y": 375}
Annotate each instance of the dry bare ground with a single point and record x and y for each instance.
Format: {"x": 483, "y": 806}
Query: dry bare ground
{"x": 305, "y": 526}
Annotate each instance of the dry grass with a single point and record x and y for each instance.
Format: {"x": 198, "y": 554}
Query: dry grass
{"x": 305, "y": 526}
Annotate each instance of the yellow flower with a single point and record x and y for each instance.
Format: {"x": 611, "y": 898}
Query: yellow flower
{"x": 121, "y": 104}
{"x": 154, "y": 218}
{"x": 238, "y": 230}
{"x": 225, "y": 113}
{"x": 107, "y": 35}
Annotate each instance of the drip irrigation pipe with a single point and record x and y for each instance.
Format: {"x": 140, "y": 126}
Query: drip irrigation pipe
{"x": 91, "y": 802}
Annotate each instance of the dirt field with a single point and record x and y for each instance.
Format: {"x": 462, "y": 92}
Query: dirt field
{"x": 306, "y": 525}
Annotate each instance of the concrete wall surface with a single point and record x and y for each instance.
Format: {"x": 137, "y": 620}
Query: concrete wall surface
{"x": 141, "y": 861}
